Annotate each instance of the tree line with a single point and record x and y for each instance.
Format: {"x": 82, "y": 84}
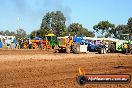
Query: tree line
{"x": 20, "y": 33}
{"x": 108, "y": 29}
{"x": 55, "y": 22}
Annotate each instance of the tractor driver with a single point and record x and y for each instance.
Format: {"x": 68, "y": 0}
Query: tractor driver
{"x": 126, "y": 48}
{"x": 69, "y": 38}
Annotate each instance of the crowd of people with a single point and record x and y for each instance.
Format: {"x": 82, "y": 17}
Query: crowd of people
{"x": 20, "y": 43}
{"x": 28, "y": 44}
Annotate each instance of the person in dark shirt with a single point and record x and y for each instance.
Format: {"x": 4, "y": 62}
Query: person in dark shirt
{"x": 40, "y": 44}
{"x": 126, "y": 48}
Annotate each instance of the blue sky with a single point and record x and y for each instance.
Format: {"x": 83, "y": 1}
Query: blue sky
{"x": 28, "y": 14}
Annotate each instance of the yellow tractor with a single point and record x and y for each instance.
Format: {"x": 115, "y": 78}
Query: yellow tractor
{"x": 71, "y": 44}
{"x": 64, "y": 44}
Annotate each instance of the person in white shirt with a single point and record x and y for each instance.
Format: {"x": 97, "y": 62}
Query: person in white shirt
{"x": 8, "y": 43}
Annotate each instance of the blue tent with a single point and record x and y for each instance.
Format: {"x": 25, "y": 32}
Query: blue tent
{"x": 38, "y": 38}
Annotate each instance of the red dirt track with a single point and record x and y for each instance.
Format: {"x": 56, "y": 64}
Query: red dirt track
{"x": 43, "y": 69}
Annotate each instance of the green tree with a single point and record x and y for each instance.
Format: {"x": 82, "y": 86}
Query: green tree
{"x": 54, "y": 22}
{"x": 78, "y": 29}
{"x": 120, "y": 29}
{"x": 100, "y": 36}
{"x": 33, "y": 34}
{"x": 12, "y": 33}
{"x": 75, "y": 29}
{"x": 1, "y": 32}
{"x": 46, "y": 24}
{"x": 89, "y": 33}
{"x": 129, "y": 23}
{"x": 6, "y": 32}
{"x": 105, "y": 28}
{"x": 21, "y": 33}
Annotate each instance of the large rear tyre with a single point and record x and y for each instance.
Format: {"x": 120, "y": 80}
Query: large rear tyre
{"x": 76, "y": 48}
{"x": 56, "y": 49}
{"x": 130, "y": 51}
{"x": 68, "y": 49}
{"x": 102, "y": 51}
{"x": 99, "y": 51}
{"x": 113, "y": 48}
{"x": 130, "y": 48}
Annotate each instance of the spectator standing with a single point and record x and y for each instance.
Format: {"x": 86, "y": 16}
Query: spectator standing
{"x": 19, "y": 45}
{"x": 8, "y": 43}
{"x": 40, "y": 44}
{"x": 30, "y": 44}
{"x": 126, "y": 48}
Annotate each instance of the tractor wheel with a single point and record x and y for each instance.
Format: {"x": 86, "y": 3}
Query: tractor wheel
{"x": 99, "y": 51}
{"x": 68, "y": 49}
{"x": 76, "y": 48}
{"x": 56, "y": 49}
{"x": 130, "y": 51}
{"x": 113, "y": 48}
{"x": 130, "y": 48}
{"x": 102, "y": 51}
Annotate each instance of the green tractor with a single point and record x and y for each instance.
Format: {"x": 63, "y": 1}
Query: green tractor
{"x": 128, "y": 43}
{"x": 118, "y": 45}
{"x": 51, "y": 40}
